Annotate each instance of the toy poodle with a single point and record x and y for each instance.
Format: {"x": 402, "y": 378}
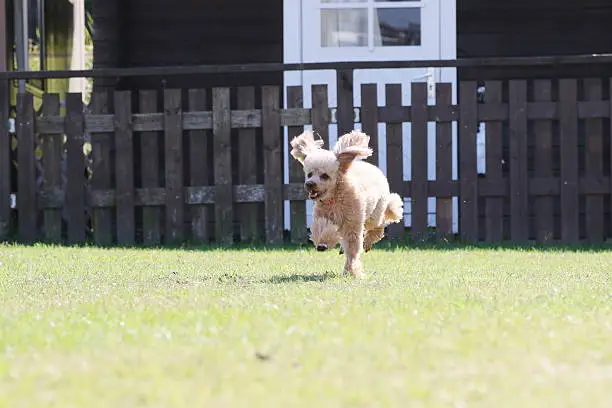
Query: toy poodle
{"x": 352, "y": 200}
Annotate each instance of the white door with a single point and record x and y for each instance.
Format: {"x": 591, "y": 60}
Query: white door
{"x": 372, "y": 30}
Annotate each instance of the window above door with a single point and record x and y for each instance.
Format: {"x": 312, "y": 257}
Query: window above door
{"x": 370, "y": 23}
{"x": 370, "y": 30}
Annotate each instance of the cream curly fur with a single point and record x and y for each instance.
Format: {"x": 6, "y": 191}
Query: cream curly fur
{"x": 351, "y": 194}
{"x": 324, "y": 234}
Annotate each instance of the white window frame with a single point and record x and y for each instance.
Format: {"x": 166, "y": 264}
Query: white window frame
{"x": 430, "y": 35}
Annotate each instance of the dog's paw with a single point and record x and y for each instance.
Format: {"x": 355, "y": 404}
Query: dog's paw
{"x": 356, "y": 272}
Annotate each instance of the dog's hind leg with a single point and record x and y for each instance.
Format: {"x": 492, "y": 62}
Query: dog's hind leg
{"x": 372, "y": 237}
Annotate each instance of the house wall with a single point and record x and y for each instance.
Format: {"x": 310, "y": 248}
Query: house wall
{"x": 521, "y": 28}
{"x": 140, "y": 33}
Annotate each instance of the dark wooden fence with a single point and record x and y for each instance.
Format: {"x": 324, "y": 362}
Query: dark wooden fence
{"x": 212, "y": 171}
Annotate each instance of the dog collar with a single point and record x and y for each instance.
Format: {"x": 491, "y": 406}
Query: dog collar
{"x": 328, "y": 202}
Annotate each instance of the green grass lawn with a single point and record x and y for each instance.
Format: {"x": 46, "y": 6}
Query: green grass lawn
{"x": 254, "y": 328}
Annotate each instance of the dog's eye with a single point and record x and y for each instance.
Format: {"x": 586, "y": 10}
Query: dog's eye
{"x": 309, "y": 175}
{"x": 324, "y": 176}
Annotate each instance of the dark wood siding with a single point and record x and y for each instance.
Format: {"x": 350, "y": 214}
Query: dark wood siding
{"x": 519, "y": 28}
{"x": 107, "y": 21}
{"x": 187, "y": 32}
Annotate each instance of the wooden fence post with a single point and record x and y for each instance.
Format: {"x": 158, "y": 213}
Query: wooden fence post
{"x": 150, "y": 175}
{"x": 101, "y": 179}
{"x": 296, "y": 173}
{"x": 444, "y": 163}
{"x": 124, "y": 162}
{"x": 74, "y": 123}
{"x": 52, "y": 146}
{"x": 395, "y": 155}
{"x": 468, "y": 179}
{"x": 222, "y": 126}
{"x": 27, "y": 189}
{"x": 568, "y": 110}
{"x": 273, "y": 164}
{"x": 248, "y": 213}
{"x": 175, "y": 199}
{"x": 199, "y": 167}
{"x": 543, "y": 166}
{"x": 594, "y": 165}
{"x": 494, "y": 206}
{"x": 419, "y": 160}
{"x": 519, "y": 178}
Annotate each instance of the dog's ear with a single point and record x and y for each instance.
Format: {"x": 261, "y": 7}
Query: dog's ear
{"x": 351, "y": 146}
{"x": 303, "y": 145}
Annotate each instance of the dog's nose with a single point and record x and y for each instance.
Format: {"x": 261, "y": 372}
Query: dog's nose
{"x": 321, "y": 248}
{"x": 309, "y": 183}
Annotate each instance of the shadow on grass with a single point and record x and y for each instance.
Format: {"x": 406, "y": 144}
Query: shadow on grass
{"x": 300, "y": 278}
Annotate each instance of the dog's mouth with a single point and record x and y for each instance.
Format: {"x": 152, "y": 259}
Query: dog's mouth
{"x": 313, "y": 195}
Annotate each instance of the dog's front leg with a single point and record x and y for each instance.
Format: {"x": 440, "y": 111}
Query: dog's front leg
{"x": 353, "y": 245}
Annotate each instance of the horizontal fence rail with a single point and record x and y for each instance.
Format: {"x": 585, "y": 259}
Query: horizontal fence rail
{"x": 534, "y": 61}
{"x": 122, "y": 171}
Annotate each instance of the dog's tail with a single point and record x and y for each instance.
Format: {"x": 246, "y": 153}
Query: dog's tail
{"x": 395, "y": 209}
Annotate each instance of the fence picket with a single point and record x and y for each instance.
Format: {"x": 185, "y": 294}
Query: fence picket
{"x": 609, "y": 114}
{"x": 199, "y": 167}
{"x": 248, "y": 213}
{"x": 6, "y": 165}
{"x": 519, "y": 181}
{"x": 444, "y": 161}
{"x": 568, "y": 110}
{"x": 345, "y": 113}
{"x": 296, "y": 173}
{"x": 494, "y": 206}
{"x": 124, "y": 168}
{"x": 101, "y": 179}
{"x": 395, "y": 156}
{"x": 26, "y": 194}
{"x": 543, "y": 166}
{"x": 224, "y": 214}
{"x": 320, "y": 114}
{"x": 273, "y": 164}
{"x": 419, "y": 160}
{"x": 468, "y": 225}
{"x": 74, "y": 123}
{"x": 150, "y": 174}
{"x": 369, "y": 117}
{"x": 594, "y": 165}
{"x": 52, "y": 164}
{"x": 173, "y": 144}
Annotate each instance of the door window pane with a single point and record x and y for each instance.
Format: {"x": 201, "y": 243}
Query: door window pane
{"x": 397, "y": 26}
{"x": 344, "y": 28}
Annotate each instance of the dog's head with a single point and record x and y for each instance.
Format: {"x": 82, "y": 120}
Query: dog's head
{"x": 323, "y": 168}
